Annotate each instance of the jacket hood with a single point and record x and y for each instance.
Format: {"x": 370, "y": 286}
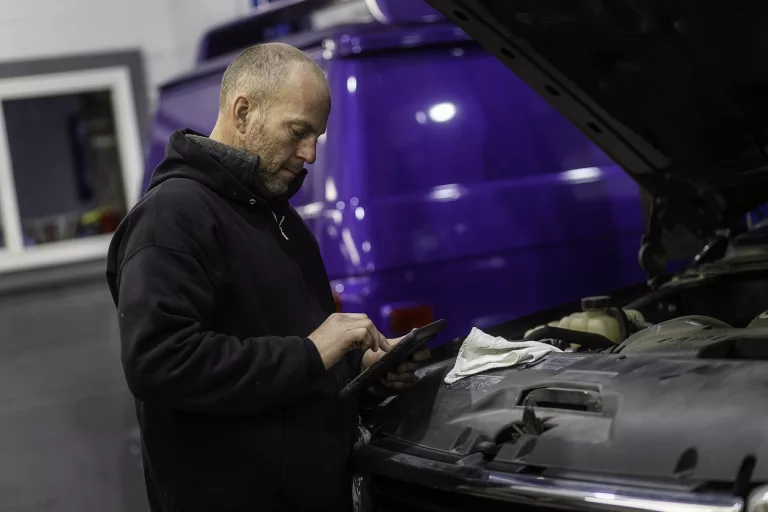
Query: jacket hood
{"x": 221, "y": 168}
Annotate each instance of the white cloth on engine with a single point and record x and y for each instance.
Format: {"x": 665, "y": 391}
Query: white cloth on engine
{"x": 481, "y": 352}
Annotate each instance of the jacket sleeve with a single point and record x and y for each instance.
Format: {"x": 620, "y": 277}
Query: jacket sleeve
{"x": 169, "y": 359}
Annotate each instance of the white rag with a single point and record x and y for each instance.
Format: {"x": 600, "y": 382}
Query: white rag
{"x": 481, "y": 352}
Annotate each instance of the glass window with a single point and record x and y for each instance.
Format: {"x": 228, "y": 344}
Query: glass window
{"x": 66, "y": 167}
{"x": 70, "y": 165}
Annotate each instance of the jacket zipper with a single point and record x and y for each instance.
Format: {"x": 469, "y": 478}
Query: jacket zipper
{"x": 279, "y": 223}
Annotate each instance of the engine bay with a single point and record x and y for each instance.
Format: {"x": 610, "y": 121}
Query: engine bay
{"x": 629, "y": 400}
{"x": 657, "y": 387}
{"x": 717, "y": 307}
{"x": 686, "y": 335}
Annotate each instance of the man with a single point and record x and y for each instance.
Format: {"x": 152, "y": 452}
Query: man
{"x": 230, "y": 343}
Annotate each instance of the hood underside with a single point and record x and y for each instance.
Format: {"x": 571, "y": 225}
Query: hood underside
{"x": 674, "y": 91}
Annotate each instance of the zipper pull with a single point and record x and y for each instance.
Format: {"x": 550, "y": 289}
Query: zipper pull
{"x": 280, "y": 225}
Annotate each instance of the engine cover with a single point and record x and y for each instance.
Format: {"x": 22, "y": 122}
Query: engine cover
{"x": 623, "y": 416}
{"x": 701, "y": 337}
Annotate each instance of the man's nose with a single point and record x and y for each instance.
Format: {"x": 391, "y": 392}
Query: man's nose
{"x": 308, "y": 152}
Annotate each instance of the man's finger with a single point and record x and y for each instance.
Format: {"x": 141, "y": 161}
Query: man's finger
{"x": 395, "y": 341}
{"x": 395, "y": 384}
{"x": 384, "y": 343}
{"x": 421, "y": 355}
{"x": 353, "y": 317}
{"x": 370, "y": 333}
{"x": 401, "y": 377}
{"x": 379, "y": 339}
{"x": 361, "y": 339}
{"x": 407, "y": 367}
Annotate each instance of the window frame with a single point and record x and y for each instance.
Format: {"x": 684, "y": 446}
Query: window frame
{"x": 15, "y": 256}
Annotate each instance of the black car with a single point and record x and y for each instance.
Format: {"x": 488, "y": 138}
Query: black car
{"x": 675, "y": 416}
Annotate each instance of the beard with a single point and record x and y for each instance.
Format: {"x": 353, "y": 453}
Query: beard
{"x": 267, "y": 179}
{"x": 270, "y": 182}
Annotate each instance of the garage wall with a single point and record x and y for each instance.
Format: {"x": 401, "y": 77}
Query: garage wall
{"x": 67, "y": 417}
{"x": 65, "y": 413}
{"x": 167, "y": 31}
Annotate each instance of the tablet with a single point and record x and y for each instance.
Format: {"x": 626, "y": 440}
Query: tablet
{"x": 389, "y": 361}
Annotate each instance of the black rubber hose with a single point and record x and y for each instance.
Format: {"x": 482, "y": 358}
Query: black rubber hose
{"x": 621, "y": 316}
{"x": 588, "y": 340}
{"x": 559, "y": 344}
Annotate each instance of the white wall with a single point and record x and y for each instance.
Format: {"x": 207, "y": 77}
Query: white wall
{"x": 166, "y": 30}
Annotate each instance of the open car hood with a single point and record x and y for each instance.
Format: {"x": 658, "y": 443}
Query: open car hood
{"x": 675, "y": 92}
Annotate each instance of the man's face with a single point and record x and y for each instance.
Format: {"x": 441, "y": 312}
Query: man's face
{"x": 285, "y": 135}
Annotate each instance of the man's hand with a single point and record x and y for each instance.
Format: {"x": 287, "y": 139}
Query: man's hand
{"x": 402, "y": 377}
{"x": 343, "y": 332}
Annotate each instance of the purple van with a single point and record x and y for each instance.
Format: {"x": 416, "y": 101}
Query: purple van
{"x": 445, "y": 188}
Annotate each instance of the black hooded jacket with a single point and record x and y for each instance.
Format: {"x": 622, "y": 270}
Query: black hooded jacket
{"x": 217, "y": 290}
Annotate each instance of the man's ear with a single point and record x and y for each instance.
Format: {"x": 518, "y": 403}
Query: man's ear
{"x": 241, "y": 113}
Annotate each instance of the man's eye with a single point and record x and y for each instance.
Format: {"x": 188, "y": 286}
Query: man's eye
{"x": 297, "y": 134}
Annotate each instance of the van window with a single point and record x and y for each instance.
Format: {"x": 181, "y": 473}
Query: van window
{"x": 453, "y": 115}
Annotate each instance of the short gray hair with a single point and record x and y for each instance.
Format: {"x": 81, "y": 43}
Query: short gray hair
{"x": 260, "y": 71}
